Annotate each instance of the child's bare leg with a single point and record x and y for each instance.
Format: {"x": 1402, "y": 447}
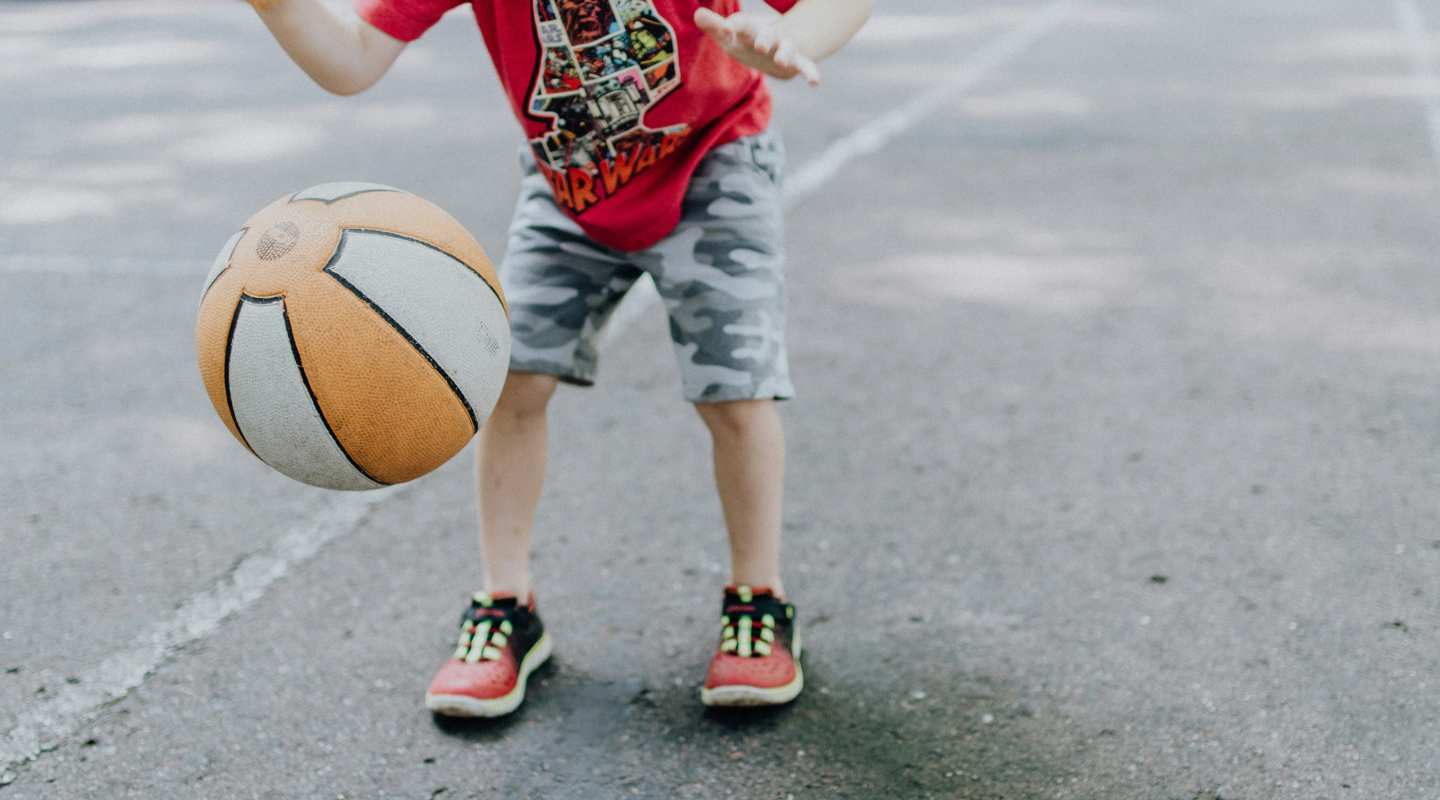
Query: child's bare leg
{"x": 749, "y": 452}
{"x": 510, "y": 469}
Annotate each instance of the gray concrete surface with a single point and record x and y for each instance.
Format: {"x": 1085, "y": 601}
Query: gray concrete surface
{"x": 1113, "y": 473}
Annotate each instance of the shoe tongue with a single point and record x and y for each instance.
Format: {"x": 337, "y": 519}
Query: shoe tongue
{"x": 494, "y": 600}
{"x": 743, "y": 594}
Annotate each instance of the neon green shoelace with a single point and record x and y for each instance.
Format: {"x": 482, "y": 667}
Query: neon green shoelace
{"x": 747, "y": 635}
{"x": 744, "y": 638}
{"x": 483, "y": 640}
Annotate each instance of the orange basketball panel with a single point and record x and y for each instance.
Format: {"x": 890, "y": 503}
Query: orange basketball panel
{"x": 394, "y": 414}
{"x": 284, "y": 242}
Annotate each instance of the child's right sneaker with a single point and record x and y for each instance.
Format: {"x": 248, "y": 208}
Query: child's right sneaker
{"x": 501, "y": 643}
{"x": 758, "y": 661}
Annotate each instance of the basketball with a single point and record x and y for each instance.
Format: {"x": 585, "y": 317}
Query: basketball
{"x": 353, "y": 336}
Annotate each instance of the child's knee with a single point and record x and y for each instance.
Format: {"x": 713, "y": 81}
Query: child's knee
{"x": 736, "y": 417}
{"x": 526, "y": 394}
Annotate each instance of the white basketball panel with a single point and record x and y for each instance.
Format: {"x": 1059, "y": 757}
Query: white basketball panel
{"x": 221, "y": 261}
{"x": 273, "y": 407}
{"x": 440, "y": 303}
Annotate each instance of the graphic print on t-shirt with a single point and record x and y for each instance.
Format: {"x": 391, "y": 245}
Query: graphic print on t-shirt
{"x": 603, "y": 63}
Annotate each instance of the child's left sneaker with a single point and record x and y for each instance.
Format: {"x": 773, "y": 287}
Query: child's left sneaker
{"x": 758, "y": 663}
{"x": 501, "y": 643}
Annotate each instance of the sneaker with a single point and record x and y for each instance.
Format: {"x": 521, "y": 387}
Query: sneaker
{"x": 501, "y": 643}
{"x": 758, "y": 663}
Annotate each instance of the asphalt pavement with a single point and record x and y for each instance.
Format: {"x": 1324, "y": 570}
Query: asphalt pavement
{"x": 1113, "y": 469}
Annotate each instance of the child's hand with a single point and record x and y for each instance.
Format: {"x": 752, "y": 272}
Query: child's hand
{"x": 759, "y": 44}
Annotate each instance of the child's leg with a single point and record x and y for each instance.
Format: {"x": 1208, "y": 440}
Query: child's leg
{"x": 721, "y": 275}
{"x": 510, "y": 471}
{"x": 749, "y": 453}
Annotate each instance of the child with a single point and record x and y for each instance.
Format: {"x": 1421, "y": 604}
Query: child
{"x": 648, "y": 151}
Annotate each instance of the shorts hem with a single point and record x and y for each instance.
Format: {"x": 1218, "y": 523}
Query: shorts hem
{"x": 733, "y": 393}
{"x": 572, "y": 376}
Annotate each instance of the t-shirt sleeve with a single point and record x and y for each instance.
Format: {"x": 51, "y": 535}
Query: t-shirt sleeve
{"x": 404, "y": 19}
{"x": 782, "y": 5}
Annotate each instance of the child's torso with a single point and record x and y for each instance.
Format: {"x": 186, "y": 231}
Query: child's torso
{"x": 619, "y": 100}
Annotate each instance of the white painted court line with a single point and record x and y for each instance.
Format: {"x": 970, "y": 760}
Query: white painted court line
{"x": 1422, "y": 57}
{"x": 872, "y": 136}
{"x": 44, "y": 725}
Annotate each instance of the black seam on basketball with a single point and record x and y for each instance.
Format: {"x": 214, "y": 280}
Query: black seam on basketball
{"x": 228, "y": 258}
{"x": 315, "y": 401}
{"x": 469, "y": 269}
{"x": 459, "y": 395}
{"x": 230, "y": 403}
{"x": 366, "y": 190}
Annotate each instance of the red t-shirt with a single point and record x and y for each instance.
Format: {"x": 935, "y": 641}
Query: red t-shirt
{"x": 620, "y": 99}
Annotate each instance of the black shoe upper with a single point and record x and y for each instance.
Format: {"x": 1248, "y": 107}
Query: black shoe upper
{"x": 491, "y": 623}
{"x": 753, "y": 621}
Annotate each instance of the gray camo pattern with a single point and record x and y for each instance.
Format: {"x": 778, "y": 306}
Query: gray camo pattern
{"x": 720, "y": 274}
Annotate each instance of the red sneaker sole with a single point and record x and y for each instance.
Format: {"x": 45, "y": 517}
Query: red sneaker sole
{"x": 737, "y": 696}
{"x": 459, "y": 705}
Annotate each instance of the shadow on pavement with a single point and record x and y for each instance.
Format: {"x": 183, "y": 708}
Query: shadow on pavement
{"x": 857, "y": 731}
{"x": 482, "y": 729}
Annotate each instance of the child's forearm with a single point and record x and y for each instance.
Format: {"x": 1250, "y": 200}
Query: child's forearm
{"x": 820, "y": 27}
{"x": 343, "y": 54}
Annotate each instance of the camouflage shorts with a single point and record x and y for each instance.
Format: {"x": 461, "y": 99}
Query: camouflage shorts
{"x": 720, "y": 273}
